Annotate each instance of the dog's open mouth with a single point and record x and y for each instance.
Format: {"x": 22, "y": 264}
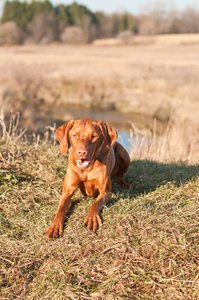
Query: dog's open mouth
{"x": 83, "y": 163}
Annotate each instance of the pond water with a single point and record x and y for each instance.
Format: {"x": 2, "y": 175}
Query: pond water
{"x": 124, "y": 138}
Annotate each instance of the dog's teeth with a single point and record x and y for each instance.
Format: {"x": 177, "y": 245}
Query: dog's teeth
{"x": 82, "y": 163}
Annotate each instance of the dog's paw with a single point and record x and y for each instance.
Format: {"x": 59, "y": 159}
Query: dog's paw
{"x": 93, "y": 221}
{"x": 55, "y": 230}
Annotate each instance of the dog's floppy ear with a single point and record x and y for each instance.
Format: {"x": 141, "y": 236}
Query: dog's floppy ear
{"x": 62, "y": 135}
{"x": 109, "y": 137}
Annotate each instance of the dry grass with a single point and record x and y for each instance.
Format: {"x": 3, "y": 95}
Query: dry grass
{"x": 147, "y": 247}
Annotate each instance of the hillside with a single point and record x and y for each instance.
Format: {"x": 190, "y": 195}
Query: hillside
{"x": 147, "y": 247}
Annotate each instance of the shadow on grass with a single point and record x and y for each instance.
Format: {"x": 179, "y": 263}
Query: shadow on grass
{"x": 146, "y": 176}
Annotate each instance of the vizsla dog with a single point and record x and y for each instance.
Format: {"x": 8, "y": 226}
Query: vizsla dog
{"x": 94, "y": 158}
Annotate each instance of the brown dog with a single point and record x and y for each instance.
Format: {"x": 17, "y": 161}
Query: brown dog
{"x": 94, "y": 158}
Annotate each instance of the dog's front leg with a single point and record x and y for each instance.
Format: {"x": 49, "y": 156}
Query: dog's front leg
{"x": 56, "y": 229}
{"x": 93, "y": 220}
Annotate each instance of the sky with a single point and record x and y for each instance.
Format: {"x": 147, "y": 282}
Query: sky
{"x": 132, "y": 6}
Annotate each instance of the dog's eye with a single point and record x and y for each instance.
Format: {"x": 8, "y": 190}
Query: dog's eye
{"x": 93, "y": 136}
{"x": 74, "y": 136}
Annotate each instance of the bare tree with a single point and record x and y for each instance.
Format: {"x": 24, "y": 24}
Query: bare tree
{"x": 10, "y": 34}
{"x": 190, "y": 20}
{"x": 73, "y": 35}
{"x": 43, "y": 29}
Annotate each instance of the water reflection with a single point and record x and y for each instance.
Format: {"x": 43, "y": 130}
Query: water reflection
{"x": 124, "y": 138}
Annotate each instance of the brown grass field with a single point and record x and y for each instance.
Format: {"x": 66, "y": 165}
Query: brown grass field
{"x": 148, "y": 245}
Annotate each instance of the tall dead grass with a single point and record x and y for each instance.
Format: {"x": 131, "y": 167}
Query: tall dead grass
{"x": 14, "y": 141}
{"x": 171, "y": 146}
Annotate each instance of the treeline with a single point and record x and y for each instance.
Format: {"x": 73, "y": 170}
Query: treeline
{"x": 41, "y": 22}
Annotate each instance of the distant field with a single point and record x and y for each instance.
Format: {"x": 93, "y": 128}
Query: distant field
{"x": 169, "y": 39}
{"x": 159, "y": 80}
{"x": 181, "y": 39}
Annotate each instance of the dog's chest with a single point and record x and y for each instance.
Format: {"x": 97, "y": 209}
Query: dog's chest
{"x": 91, "y": 188}
{"x": 92, "y": 180}
{"x": 90, "y": 175}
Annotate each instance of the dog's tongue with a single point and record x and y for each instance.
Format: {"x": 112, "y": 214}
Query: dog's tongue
{"x": 83, "y": 163}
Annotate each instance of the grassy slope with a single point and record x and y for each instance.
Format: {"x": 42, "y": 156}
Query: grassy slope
{"x": 147, "y": 247}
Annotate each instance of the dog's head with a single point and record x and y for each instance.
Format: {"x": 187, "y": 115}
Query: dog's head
{"x": 86, "y": 138}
